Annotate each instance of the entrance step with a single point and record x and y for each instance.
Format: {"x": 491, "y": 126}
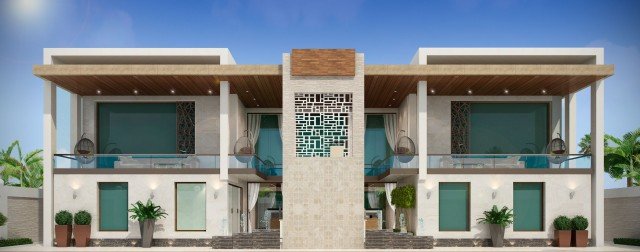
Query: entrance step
{"x": 387, "y": 239}
{"x": 258, "y": 239}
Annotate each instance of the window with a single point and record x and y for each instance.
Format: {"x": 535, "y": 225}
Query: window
{"x": 454, "y": 206}
{"x": 376, "y": 146}
{"x": 269, "y": 144}
{"x": 191, "y": 206}
{"x": 528, "y": 206}
{"x": 113, "y": 200}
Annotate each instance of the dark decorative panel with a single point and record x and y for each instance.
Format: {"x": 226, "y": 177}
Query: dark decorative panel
{"x": 186, "y": 113}
{"x": 460, "y": 113}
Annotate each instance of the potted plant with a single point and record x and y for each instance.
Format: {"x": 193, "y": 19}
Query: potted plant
{"x": 580, "y": 237}
{"x": 562, "y": 234}
{"x": 498, "y": 220}
{"x": 403, "y": 198}
{"x": 63, "y": 228}
{"x": 82, "y": 228}
{"x": 146, "y": 214}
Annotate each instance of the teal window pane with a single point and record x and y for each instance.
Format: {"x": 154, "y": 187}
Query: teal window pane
{"x": 454, "y": 206}
{"x": 376, "y": 146}
{"x": 137, "y": 128}
{"x": 528, "y": 206}
{"x": 269, "y": 143}
{"x": 113, "y": 204}
{"x": 191, "y": 200}
{"x": 509, "y": 128}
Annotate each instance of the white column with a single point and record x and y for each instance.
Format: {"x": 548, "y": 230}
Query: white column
{"x": 597, "y": 163}
{"x": 49, "y": 144}
{"x": 224, "y": 130}
{"x": 423, "y": 162}
{"x": 569, "y": 126}
{"x": 75, "y": 116}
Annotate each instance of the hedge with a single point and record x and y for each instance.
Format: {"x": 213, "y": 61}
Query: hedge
{"x": 14, "y": 242}
{"x": 626, "y": 241}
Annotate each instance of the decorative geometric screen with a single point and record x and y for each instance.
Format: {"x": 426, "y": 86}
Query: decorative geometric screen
{"x": 322, "y": 121}
{"x": 186, "y": 130}
{"x": 460, "y": 113}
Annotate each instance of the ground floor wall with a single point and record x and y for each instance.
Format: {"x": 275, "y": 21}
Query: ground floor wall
{"x": 23, "y": 209}
{"x": 557, "y": 200}
{"x": 140, "y": 187}
{"x": 621, "y": 211}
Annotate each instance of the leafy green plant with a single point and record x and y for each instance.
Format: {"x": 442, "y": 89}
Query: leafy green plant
{"x": 82, "y": 218}
{"x": 149, "y": 211}
{"x": 15, "y": 242}
{"x": 562, "y": 223}
{"x": 3, "y": 219}
{"x": 502, "y": 217}
{"x": 404, "y": 197}
{"x": 382, "y": 200}
{"x": 627, "y": 241}
{"x": 27, "y": 169}
{"x": 579, "y": 223}
{"x": 64, "y": 217}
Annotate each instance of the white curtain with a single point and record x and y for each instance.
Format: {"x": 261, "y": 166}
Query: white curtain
{"x": 254, "y": 191}
{"x": 388, "y": 188}
{"x": 373, "y": 199}
{"x": 390, "y": 129}
{"x": 280, "y": 125}
{"x": 254, "y": 127}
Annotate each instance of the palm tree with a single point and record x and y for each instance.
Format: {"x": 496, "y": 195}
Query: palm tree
{"x": 585, "y": 144}
{"x": 623, "y": 160}
{"x": 27, "y": 169}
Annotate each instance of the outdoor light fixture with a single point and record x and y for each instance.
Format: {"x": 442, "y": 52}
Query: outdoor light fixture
{"x": 75, "y": 195}
{"x": 210, "y": 92}
{"x": 152, "y": 195}
{"x": 494, "y": 194}
{"x": 544, "y": 91}
{"x": 506, "y": 91}
{"x": 215, "y": 193}
{"x": 469, "y": 92}
{"x": 172, "y": 91}
{"x": 98, "y": 92}
{"x": 135, "y": 92}
{"x": 428, "y": 194}
{"x": 571, "y": 194}
{"x": 432, "y": 91}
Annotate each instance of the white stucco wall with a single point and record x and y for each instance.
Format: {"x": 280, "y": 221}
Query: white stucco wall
{"x": 556, "y": 201}
{"x": 439, "y": 116}
{"x": 207, "y": 117}
{"x": 140, "y": 187}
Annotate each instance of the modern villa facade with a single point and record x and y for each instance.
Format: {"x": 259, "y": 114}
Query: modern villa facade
{"x": 305, "y": 154}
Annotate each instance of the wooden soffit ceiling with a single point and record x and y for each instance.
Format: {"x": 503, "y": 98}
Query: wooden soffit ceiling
{"x": 261, "y": 85}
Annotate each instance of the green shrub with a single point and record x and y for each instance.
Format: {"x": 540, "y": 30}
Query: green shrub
{"x": 626, "y": 241}
{"x": 502, "y": 217}
{"x": 14, "y": 242}
{"x": 579, "y": 223}
{"x": 562, "y": 223}
{"x": 3, "y": 219}
{"x": 150, "y": 211}
{"x": 82, "y": 218}
{"x": 404, "y": 197}
{"x": 64, "y": 217}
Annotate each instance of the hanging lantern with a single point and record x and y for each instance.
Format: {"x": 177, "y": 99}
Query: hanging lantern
{"x": 243, "y": 149}
{"x": 405, "y": 149}
{"x": 84, "y": 150}
{"x": 557, "y": 146}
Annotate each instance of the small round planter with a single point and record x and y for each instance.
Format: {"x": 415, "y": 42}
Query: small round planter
{"x": 63, "y": 235}
{"x": 82, "y": 234}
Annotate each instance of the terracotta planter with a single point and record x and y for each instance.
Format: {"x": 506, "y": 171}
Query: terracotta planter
{"x": 580, "y": 238}
{"x": 146, "y": 232}
{"x": 63, "y": 235}
{"x": 563, "y": 238}
{"x": 82, "y": 234}
{"x": 497, "y": 235}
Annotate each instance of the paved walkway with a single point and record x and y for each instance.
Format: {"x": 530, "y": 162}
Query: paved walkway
{"x": 38, "y": 247}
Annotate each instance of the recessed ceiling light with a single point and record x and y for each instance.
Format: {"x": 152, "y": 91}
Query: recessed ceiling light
{"x": 470, "y": 91}
{"x": 247, "y": 91}
{"x": 432, "y": 91}
{"x": 98, "y": 92}
{"x": 210, "y": 92}
{"x": 395, "y": 91}
{"x": 254, "y": 99}
{"x": 544, "y": 91}
{"x": 389, "y": 105}
{"x": 394, "y": 99}
{"x": 506, "y": 91}
{"x": 258, "y": 105}
{"x": 135, "y": 92}
{"x": 172, "y": 91}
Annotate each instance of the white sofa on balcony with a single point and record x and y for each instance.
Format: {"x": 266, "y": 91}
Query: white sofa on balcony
{"x": 153, "y": 162}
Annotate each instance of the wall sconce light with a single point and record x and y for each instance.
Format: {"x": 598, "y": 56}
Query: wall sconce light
{"x": 571, "y": 194}
{"x": 494, "y": 194}
{"x": 428, "y": 194}
{"x": 152, "y": 195}
{"x": 215, "y": 194}
{"x": 75, "y": 194}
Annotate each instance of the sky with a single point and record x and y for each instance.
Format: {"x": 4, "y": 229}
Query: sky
{"x": 259, "y": 31}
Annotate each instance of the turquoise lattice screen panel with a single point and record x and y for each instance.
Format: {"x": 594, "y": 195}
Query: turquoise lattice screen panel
{"x": 322, "y": 121}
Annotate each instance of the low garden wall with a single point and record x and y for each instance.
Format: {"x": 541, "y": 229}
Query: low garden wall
{"x": 621, "y": 211}
{"x": 23, "y": 208}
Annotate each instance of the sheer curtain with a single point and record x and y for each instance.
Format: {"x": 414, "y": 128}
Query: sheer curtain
{"x": 388, "y": 188}
{"x": 253, "y": 193}
{"x": 254, "y": 126}
{"x": 372, "y": 196}
{"x": 390, "y": 129}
